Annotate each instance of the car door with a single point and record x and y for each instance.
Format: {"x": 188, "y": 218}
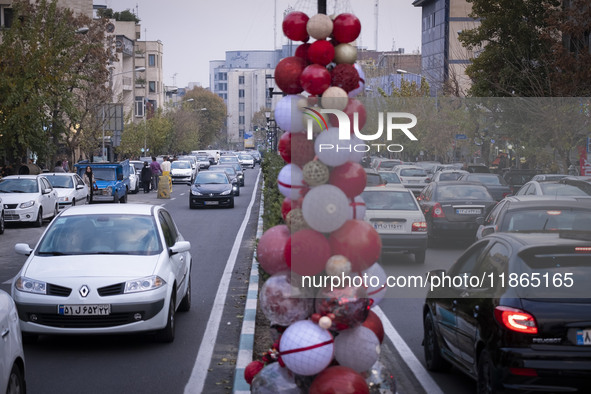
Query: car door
{"x": 179, "y": 263}
{"x": 80, "y": 189}
{"x": 48, "y": 200}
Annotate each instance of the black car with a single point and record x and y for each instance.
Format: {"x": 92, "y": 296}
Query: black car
{"x": 496, "y": 185}
{"x": 525, "y": 324}
{"x": 517, "y": 178}
{"x": 451, "y": 208}
{"x": 232, "y": 176}
{"x": 373, "y": 178}
{"x": 211, "y": 188}
{"x": 537, "y": 213}
{"x": 239, "y": 171}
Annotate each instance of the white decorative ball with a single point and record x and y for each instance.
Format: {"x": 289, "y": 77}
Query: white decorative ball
{"x": 325, "y": 208}
{"x": 345, "y": 53}
{"x": 290, "y": 181}
{"x": 334, "y": 98}
{"x": 338, "y": 265}
{"x": 288, "y": 114}
{"x": 330, "y": 149}
{"x": 357, "y": 208}
{"x": 325, "y": 322}
{"x": 319, "y": 26}
{"x": 376, "y": 289}
{"x": 301, "y": 335}
{"x": 357, "y": 348}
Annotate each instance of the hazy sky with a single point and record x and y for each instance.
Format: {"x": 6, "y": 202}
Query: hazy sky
{"x": 196, "y": 31}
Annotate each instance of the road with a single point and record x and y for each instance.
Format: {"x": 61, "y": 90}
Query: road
{"x": 194, "y": 363}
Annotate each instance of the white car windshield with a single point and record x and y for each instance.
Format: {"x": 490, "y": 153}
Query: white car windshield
{"x": 19, "y": 186}
{"x": 60, "y": 182}
{"x": 101, "y": 234}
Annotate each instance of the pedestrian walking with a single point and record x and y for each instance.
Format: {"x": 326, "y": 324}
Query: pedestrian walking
{"x": 165, "y": 166}
{"x": 89, "y": 181}
{"x": 58, "y": 167}
{"x": 146, "y": 177}
{"x": 156, "y": 172}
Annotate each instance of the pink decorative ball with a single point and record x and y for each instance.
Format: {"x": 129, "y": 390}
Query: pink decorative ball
{"x": 334, "y": 98}
{"x": 271, "y": 248}
{"x": 294, "y": 26}
{"x": 350, "y": 177}
{"x": 306, "y": 252}
{"x": 358, "y": 241}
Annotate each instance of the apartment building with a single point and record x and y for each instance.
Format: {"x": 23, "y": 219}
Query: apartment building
{"x": 83, "y": 7}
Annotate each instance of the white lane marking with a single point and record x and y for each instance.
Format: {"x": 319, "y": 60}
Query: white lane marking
{"x": 407, "y": 355}
{"x": 199, "y": 373}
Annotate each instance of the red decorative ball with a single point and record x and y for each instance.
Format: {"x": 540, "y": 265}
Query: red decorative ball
{"x": 321, "y": 52}
{"x": 284, "y": 147}
{"x": 296, "y": 148}
{"x": 271, "y": 249}
{"x": 339, "y": 379}
{"x": 302, "y": 52}
{"x": 353, "y": 107}
{"x": 294, "y": 26}
{"x": 287, "y": 205}
{"x": 358, "y": 241}
{"x": 345, "y": 76}
{"x": 348, "y": 306}
{"x": 307, "y": 251}
{"x": 252, "y": 370}
{"x": 350, "y": 177}
{"x": 374, "y": 323}
{"x": 287, "y": 74}
{"x": 314, "y": 79}
{"x": 346, "y": 27}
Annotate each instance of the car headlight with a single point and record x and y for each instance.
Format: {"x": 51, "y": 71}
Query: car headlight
{"x": 27, "y": 204}
{"x": 195, "y": 192}
{"x": 64, "y": 199}
{"x": 144, "y": 284}
{"x": 30, "y": 286}
{"x": 225, "y": 193}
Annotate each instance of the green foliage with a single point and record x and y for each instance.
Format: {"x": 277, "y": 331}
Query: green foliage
{"x": 270, "y": 166}
{"x": 208, "y": 112}
{"x": 124, "y": 16}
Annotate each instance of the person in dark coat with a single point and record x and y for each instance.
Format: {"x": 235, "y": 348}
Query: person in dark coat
{"x": 146, "y": 177}
{"x": 88, "y": 179}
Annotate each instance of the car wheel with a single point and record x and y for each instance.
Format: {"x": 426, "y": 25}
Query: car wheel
{"x": 56, "y": 210}
{"x": 2, "y": 224}
{"x": 419, "y": 256}
{"x": 433, "y": 358}
{"x": 185, "y": 304}
{"x": 167, "y": 333}
{"x": 486, "y": 381}
{"x": 16, "y": 381}
{"x": 39, "y": 221}
{"x": 123, "y": 199}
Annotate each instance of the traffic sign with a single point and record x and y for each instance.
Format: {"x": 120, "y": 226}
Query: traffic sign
{"x": 461, "y": 137}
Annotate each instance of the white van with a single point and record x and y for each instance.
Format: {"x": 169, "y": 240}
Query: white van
{"x": 211, "y": 153}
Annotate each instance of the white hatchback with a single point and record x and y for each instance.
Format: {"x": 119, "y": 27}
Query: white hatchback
{"x": 28, "y": 198}
{"x": 395, "y": 214}
{"x": 105, "y": 269}
{"x": 414, "y": 178}
{"x": 12, "y": 357}
{"x": 71, "y": 189}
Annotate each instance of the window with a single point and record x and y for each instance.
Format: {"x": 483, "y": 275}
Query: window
{"x": 152, "y": 87}
{"x": 139, "y": 107}
{"x": 7, "y": 20}
{"x": 241, "y": 133}
{"x": 241, "y": 80}
{"x": 152, "y": 60}
{"x": 241, "y": 119}
{"x": 240, "y": 107}
{"x": 168, "y": 228}
{"x": 241, "y": 93}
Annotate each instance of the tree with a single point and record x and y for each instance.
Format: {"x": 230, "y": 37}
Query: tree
{"x": 209, "y": 113}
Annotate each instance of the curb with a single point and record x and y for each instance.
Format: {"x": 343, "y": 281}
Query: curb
{"x": 246, "y": 345}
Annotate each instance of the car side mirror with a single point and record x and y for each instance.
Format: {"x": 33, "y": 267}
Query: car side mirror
{"x": 79, "y": 187}
{"x": 179, "y": 247}
{"x": 23, "y": 249}
{"x": 488, "y": 230}
{"x": 46, "y": 191}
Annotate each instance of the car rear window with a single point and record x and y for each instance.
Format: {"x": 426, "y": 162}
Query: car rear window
{"x": 449, "y": 176}
{"x": 488, "y": 180}
{"x": 462, "y": 192}
{"x": 561, "y": 189}
{"x": 181, "y": 165}
{"x": 388, "y": 164}
{"x": 390, "y": 177}
{"x": 413, "y": 172}
{"x": 543, "y": 219}
{"x": 390, "y": 200}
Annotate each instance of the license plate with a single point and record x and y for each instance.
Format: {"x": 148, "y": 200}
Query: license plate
{"x": 411, "y": 181}
{"x": 584, "y": 337}
{"x": 468, "y": 211}
{"x": 10, "y": 211}
{"x": 84, "y": 310}
{"x": 388, "y": 226}
{"x": 211, "y": 202}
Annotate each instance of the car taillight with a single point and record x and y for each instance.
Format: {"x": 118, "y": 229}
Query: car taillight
{"x": 437, "y": 211}
{"x": 523, "y": 371}
{"x": 506, "y": 194}
{"x": 583, "y": 249}
{"x": 419, "y": 226}
{"x": 516, "y": 320}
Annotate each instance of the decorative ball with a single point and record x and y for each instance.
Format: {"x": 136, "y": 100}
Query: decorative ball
{"x": 357, "y": 208}
{"x": 283, "y": 303}
{"x": 346, "y": 27}
{"x": 374, "y": 323}
{"x": 357, "y": 348}
{"x": 274, "y": 379}
{"x": 302, "y": 149}
{"x": 319, "y": 26}
{"x": 359, "y": 150}
{"x": 315, "y": 173}
{"x": 294, "y": 26}
{"x": 325, "y": 322}
{"x": 287, "y": 74}
{"x": 345, "y": 53}
{"x": 252, "y": 370}
{"x": 355, "y": 111}
{"x": 287, "y": 205}
{"x": 331, "y": 150}
{"x": 359, "y": 242}
{"x": 348, "y": 304}
{"x": 315, "y": 79}
{"x": 345, "y": 76}
{"x": 361, "y": 87}
{"x": 334, "y": 98}
{"x": 350, "y": 177}
{"x": 376, "y": 289}
{"x": 379, "y": 379}
{"x": 284, "y": 147}
{"x": 306, "y": 252}
{"x": 290, "y": 181}
{"x": 271, "y": 249}
{"x": 302, "y": 52}
{"x": 321, "y": 52}
{"x": 325, "y": 208}
{"x": 295, "y": 220}
{"x": 338, "y": 265}
{"x": 288, "y": 115}
{"x": 305, "y": 348}
{"x": 339, "y": 379}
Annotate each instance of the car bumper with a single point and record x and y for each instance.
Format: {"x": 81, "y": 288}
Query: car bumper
{"x": 63, "y": 205}
{"x": 181, "y": 179}
{"x": 206, "y": 201}
{"x": 446, "y": 229}
{"x": 557, "y": 371}
{"x": 415, "y": 188}
{"x": 404, "y": 242}
{"x": 21, "y": 215}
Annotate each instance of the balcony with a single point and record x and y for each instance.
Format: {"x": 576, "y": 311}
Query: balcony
{"x": 127, "y": 83}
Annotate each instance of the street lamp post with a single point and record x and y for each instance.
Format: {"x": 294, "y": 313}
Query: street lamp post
{"x": 271, "y": 130}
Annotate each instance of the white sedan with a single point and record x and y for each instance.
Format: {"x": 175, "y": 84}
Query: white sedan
{"x": 12, "y": 358}
{"x": 28, "y": 198}
{"x": 71, "y": 189}
{"x": 105, "y": 269}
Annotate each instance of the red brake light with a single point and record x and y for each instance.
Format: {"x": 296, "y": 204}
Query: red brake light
{"x": 516, "y": 320}
{"x": 523, "y": 371}
{"x": 419, "y": 226}
{"x": 582, "y": 249}
{"x": 437, "y": 211}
